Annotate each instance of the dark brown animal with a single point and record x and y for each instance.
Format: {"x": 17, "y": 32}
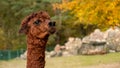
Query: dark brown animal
{"x": 37, "y": 26}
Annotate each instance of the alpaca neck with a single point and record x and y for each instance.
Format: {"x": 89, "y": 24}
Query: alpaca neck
{"x": 35, "y": 52}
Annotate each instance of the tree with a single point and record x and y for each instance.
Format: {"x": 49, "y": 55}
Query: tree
{"x": 101, "y": 13}
{"x": 11, "y": 14}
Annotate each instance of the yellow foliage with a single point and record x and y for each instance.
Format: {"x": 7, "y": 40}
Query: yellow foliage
{"x": 100, "y": 12}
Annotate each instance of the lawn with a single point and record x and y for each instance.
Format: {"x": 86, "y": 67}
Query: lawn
{"x": 68, "y": 62}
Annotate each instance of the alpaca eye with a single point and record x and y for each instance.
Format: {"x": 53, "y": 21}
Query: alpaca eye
{"x": 37, "y": 22}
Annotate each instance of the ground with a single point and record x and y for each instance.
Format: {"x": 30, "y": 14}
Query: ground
{"x": 111, "y": 60}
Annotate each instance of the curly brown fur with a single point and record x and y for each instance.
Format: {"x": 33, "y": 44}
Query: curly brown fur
{"x": 36, "y": 27}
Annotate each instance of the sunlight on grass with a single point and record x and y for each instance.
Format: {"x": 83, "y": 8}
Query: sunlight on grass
{"x": 100, "y": 59}
{"x": 15, "y": 63}
{"x": 79, "y": 61}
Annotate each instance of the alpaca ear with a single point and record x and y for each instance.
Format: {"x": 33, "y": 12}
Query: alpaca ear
{"x": 23, "y": 29}
{"x": 24, "y": 25}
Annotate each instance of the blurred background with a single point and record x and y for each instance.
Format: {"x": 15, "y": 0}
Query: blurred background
{"x": 84, "y": 27}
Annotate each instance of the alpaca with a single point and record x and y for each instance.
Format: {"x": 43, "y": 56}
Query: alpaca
{"x": 37, "y": 27}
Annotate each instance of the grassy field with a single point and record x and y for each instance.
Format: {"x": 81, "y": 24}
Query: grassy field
{"x": 69, "y": 62}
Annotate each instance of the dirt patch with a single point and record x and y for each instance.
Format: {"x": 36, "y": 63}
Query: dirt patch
{"x": 113, "y": 65}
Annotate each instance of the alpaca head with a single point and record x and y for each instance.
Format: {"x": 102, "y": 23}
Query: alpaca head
{"x": 38, "y": 25}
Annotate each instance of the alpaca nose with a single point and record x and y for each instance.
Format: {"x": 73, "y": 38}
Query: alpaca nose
{"x": 52, "y": 24}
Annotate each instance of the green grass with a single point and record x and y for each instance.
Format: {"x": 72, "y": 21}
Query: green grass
{"x": 77, "y": 61}
{"x": 99, "y": 59}
{"x": 68, "y": 62}
{"x": 15, "y": 63}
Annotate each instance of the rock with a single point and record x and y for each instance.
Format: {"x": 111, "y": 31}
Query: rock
{"x": 24, "y": 55}
{"x": 96, "y": 51}
{"x": 113, "y": 39}
{"x": 86, "y": 39}
{"x": 59, "y": 53}
{"x": 53, "y": 54}
{"x": 85, "y": 48}
{"x": 73, "y": 45}
{"x": 97, "y": 36}
{"x": 112, "y": 51}
{"x": 95, "y": 43}
{"x": 66, "y": 53}
{"x": 57, "y": 48}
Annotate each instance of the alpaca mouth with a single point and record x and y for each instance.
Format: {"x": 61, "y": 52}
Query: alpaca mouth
{"x": 43, "y": 37}
{"x": 46, "y": 34}
{"x": 52, "y": 30}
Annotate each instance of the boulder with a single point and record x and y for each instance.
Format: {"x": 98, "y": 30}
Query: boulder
{"x": 86, "y": 39}
{"x": 73, "y": 45}
{"x": 113, "y": 39}
{"x": 57, "y": 48}
{"x": 95, "y": 43}
{"x": 52, "y": 54}
{"x": 24, "y": 55}
{"x": 97, "y": 36}
{"x": 66, "y": 53}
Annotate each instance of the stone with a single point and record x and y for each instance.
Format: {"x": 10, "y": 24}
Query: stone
{"x": 95, "y": 43}
{"x": 86, "y": 39}
{"x": 53, "y": 54}
{"x": 97, "y": 36}
{"x": 73, "y": 45}
{"x": 57, "y": 48}
{"x": 24, "y": 55}
{"x": 66, "y": 53}
{"x": 113, "y": 39}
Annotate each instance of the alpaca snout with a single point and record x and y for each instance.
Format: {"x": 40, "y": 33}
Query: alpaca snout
{"x": 52, "y": 24}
